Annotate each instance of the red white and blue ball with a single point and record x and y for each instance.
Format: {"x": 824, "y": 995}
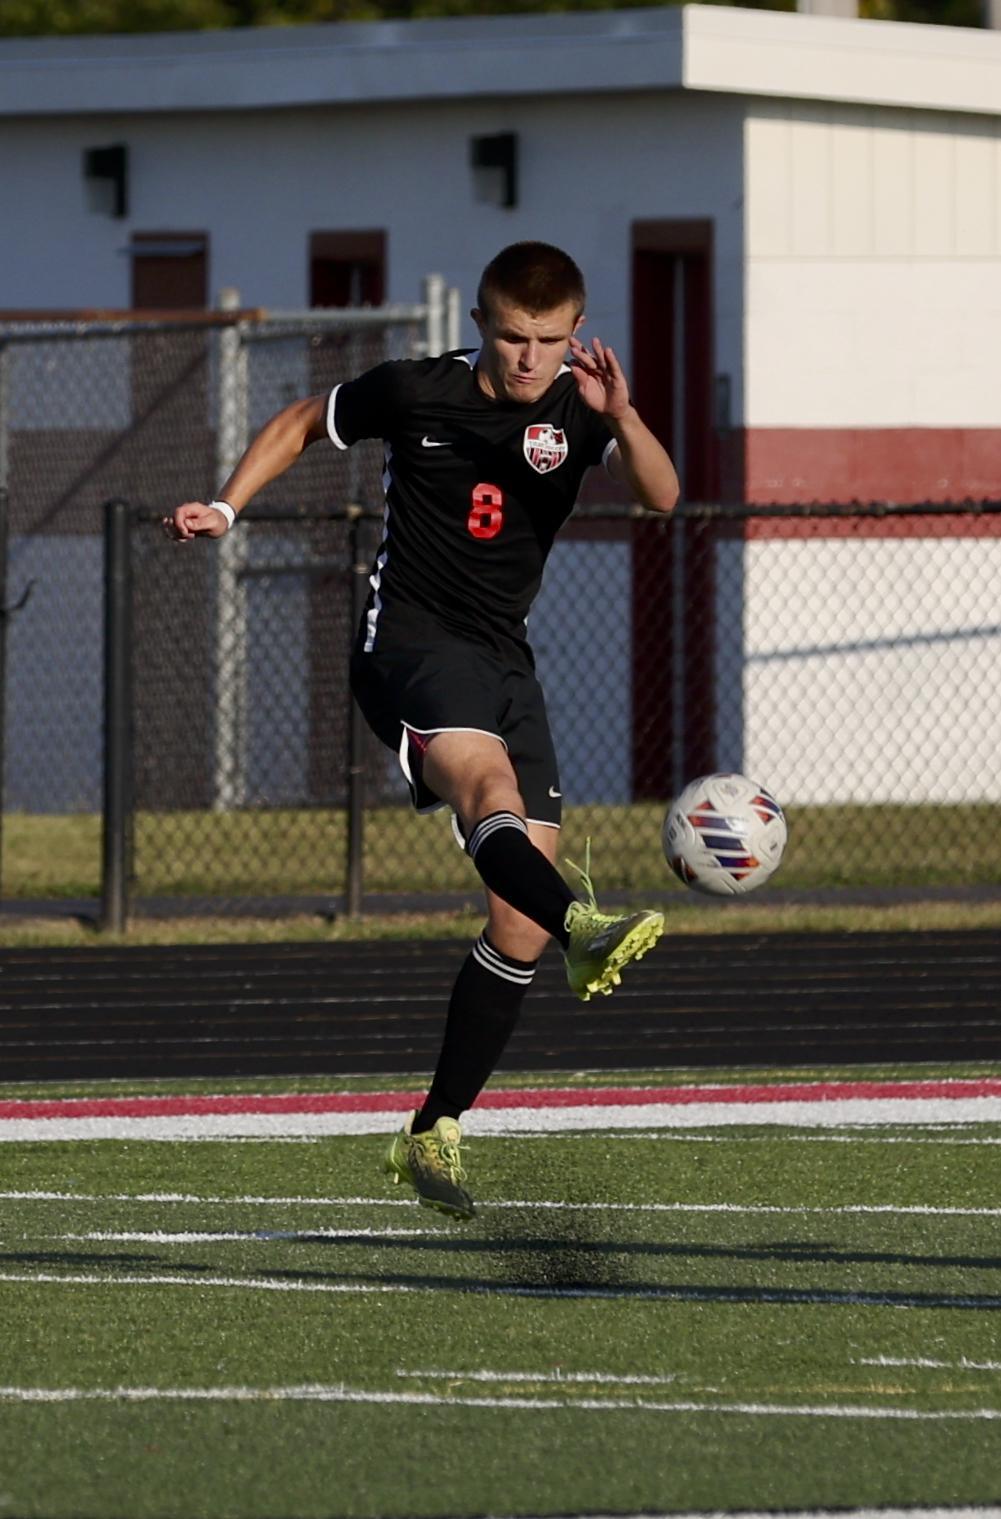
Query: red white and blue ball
{"x": 724, "y": 835}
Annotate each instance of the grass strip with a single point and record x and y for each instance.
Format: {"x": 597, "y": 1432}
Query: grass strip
{"x": 759, "y": 916}
{"x": 264, "y": 852}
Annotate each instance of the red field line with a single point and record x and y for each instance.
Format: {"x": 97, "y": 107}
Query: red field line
{"x": 534, "y": 1097}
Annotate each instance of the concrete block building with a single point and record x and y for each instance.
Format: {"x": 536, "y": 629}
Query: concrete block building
{"x": 791, "y": 230}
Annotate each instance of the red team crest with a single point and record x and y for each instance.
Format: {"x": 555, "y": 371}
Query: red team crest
{"x": 545, "y": 446}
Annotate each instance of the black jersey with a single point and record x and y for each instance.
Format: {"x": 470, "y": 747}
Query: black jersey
{"x": 476, "y": 490}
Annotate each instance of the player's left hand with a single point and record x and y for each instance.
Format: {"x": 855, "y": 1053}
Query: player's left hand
{"x": 600, "y": 381}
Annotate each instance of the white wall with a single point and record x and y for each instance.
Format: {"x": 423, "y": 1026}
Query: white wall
{"x": 873, "y": 300}
{"x": 259, "y": 183}
{"x": 862, "y": 670}
{"x": 873, "y": 267}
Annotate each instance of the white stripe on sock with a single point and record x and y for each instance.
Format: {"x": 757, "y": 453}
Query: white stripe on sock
{"x": 492, "y": 960}
{"x": 490, "y": 825}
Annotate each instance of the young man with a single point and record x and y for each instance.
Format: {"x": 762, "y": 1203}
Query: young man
{"x": 485, "y": 456}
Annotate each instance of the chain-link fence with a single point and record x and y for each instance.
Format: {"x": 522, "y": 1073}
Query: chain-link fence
{"x": 154, "y": 410}
{"x": 847, "y": 658}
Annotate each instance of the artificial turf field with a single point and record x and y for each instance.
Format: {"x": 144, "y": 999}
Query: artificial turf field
{"x": 724, "y": 1316}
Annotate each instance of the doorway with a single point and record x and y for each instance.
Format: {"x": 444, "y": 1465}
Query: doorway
{"x": 673, "y": 560}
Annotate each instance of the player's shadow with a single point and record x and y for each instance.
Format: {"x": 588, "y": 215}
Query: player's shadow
{"x": 569, "y": 1258}
{"x": 567, "y": 1263}
{"x": 574, "y": 1242}
{"x": 575, "y": 1257}
{"x": 91, "y": 1259}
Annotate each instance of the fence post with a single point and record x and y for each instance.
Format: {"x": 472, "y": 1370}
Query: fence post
{"x": 356, "y": 731}
{"x": 453, "y": 319}
{"x": 679, "y": 615}
{"x": 4, "y": 613}
{"x": 116, "y": 841}
{"x": 4, "y": 458}
{"x": 231, "y": 557}
{"x": 437, "y": 314}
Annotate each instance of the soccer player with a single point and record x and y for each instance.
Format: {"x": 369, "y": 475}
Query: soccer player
{"x": 486, "y": 452}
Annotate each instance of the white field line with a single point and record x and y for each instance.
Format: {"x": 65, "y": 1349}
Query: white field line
{"x": 342, "y": 1394}
{"x": 855, "y": 1138}
{"x": 825, "y": 1113}
{"x": 666, "y": 1136}
{"x": 248, "y": 1283}
{"x": 559, "y": 1377}
{"x": 860, "y": 1136}
{"x": 227, "y": 1139}
{"x": 243, "y": 1237}
{"x": 830, "y": 1113}
{"x": 961, "y": 1365}
{"x": 982, "y": 1511}
{"x": 920, "y": 1210}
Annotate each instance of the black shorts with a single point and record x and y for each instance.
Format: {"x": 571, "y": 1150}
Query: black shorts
{"x": 408, "y": 692}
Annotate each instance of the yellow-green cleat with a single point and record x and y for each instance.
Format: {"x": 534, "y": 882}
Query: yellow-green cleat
{"x": 601, "y": 945}
{"x": 431, "y": 1164}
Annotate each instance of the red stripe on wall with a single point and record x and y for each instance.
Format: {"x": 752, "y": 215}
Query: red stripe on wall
{"x": 788, "y": 465}
{"x": 946, "y": 526}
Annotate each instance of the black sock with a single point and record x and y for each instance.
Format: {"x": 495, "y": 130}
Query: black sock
{"x": 519, "y": 873}
{"x": 486, "y": 1000}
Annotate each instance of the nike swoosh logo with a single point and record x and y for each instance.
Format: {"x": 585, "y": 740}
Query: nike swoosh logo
{"x": 427, "y": 442}
{"x": 554, "y": 793}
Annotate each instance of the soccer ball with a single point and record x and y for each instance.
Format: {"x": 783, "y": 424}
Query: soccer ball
{"x": 724, "y": 835}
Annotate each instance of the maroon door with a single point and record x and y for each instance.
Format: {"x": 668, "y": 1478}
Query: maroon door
{"x": 347, "y": 268}
{"x": 169, "y": 271}
{"x": 673, "y": 580}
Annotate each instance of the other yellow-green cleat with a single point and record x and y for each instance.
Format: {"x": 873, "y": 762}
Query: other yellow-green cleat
{"x": 431, "y": 1164}
{"x": 601, "y": 944}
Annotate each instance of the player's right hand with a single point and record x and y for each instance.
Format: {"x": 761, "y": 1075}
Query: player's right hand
{"x": 195, "y": 519}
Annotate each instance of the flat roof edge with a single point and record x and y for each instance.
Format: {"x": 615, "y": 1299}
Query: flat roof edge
{"x": 360, "y": 63}
{"x": 714, "y": 49}
{"x": 879, "y": 63}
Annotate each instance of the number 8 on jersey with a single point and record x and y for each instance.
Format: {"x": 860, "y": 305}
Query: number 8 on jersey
{"x": 486, "y": 516}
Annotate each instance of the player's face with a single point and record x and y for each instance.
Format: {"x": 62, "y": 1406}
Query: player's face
{"x": 522, "y": 351}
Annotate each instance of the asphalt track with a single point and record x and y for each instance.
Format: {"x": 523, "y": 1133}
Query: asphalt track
{"x": 787, "y": 1000}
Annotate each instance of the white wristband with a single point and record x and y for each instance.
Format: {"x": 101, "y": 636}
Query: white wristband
{"x": 227, "y": 511}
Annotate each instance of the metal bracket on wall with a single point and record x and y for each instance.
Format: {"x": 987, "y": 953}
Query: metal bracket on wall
{"x": 20, "y": 603}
